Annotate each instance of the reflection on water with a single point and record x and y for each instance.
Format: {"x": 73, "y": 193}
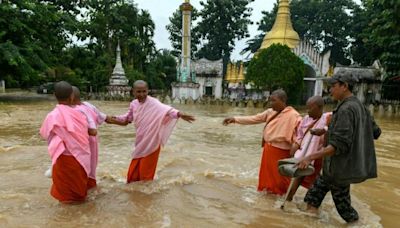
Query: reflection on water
{"x": 206, "y": 176}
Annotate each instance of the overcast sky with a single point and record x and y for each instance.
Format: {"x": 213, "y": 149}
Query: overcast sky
{"x": 161, "y": 10}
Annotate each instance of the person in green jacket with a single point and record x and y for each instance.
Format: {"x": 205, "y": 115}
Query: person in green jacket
{"x": 349, "y": 156}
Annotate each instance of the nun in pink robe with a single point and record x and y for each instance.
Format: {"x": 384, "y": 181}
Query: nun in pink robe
{"x": 95, "y": 118}
{"x": 66, "y": 131}
{"x": 154, "y": 122}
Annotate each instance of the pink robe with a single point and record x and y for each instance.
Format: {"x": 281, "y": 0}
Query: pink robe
{"x": 311, "y": 144}
{"x": 317, "y": 142}
{"x": 154, "y": 122}
{"x": 66, "y": 131}
{"x": 95, "y": 118}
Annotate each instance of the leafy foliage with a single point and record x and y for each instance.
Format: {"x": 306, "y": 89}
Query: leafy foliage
{"x": 75, "y": 41}
{"x": 277, "y": 67}
{"x": 31, "y": 40}
{"x": 222, "y": 23}
{"x": 382, "y": 35}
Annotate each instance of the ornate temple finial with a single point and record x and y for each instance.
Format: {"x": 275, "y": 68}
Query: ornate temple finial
{"x": 282, "y": 31}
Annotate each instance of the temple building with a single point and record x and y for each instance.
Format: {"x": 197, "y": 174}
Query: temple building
{"x": 209, "y": 77}
{"x": 317, "y": 65}
{"x": 118, "y": 82}
{"x": 235, "y": 81}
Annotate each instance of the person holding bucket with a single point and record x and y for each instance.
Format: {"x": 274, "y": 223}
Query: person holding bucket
{"x": 310, "y": 139}
{"x": 349, "y": 156}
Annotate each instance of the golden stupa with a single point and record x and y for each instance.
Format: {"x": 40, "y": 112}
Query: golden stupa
{"x": 234, "y": 73}
{"x": 282, "y": 32}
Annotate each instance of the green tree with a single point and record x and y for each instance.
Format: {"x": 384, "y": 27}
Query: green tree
{"x": 175, "y": 32}
{"x": 222, "y": 23}
{"x": 277, "y": 67}
{"x": 362, "y": 52}
{"x": 381, "y": 39}
{"x": 384, "y": 33}
{"x": 161, "y": 71}
{"x": 107, "y": 23}
{"x": 26, "y": 48}
{"x": 111, "y": 21}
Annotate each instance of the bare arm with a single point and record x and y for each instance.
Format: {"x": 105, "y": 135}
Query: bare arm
{"x": 114, "y": 120}
{"x": 256, "y": 119}
{"x": 125, "y": 119}
{"x": 326, "y": 151}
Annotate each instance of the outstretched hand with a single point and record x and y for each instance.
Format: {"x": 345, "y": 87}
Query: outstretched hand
{"x": 186, "y": 117}
{"x": 114, "y": 120}
{"x": 228, "y": 120}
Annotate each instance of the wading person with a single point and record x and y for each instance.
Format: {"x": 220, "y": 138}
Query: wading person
{"x": 309, "y": 139}
{"x": 154, "y": 122}
{"x": 281, "y": 122}
{"x": 95, "y": 118}
{"x": 66, "y": 131}
{"x": 349, "y": 156}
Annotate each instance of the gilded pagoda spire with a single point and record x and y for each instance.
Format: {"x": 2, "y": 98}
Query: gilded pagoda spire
{"x": 282, "y": 31}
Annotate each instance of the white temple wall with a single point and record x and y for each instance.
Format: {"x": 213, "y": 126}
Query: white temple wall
{"x": 185, "y": 92}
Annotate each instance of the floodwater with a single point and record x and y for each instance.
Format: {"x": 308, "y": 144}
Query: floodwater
{"x": 206, "y": 177}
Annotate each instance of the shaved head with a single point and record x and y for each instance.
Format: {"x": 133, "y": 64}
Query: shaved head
{"x": 62, "y": 91}
{"x": 315, "y": 106}
{"x": 280, "y": 94}
{"x": 317, "y": 100}
{"x": 77, "y": 94}
{"x": 140, "y": 90}
{"x": 140, "y": 83}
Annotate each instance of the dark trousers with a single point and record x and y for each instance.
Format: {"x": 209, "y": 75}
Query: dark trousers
{"x": 340, "y": 195}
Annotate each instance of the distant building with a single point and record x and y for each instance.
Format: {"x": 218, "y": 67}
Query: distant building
{"x": 317, "y": 65}
{"x": 209, "y": 76}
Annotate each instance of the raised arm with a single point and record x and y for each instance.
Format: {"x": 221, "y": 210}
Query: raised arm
{"x": 246, "y": 120}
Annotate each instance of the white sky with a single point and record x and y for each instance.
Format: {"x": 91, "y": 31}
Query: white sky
{"x": 161, "y": 10}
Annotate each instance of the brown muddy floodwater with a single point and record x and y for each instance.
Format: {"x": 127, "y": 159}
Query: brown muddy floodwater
{"x": 206, "y": 177}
